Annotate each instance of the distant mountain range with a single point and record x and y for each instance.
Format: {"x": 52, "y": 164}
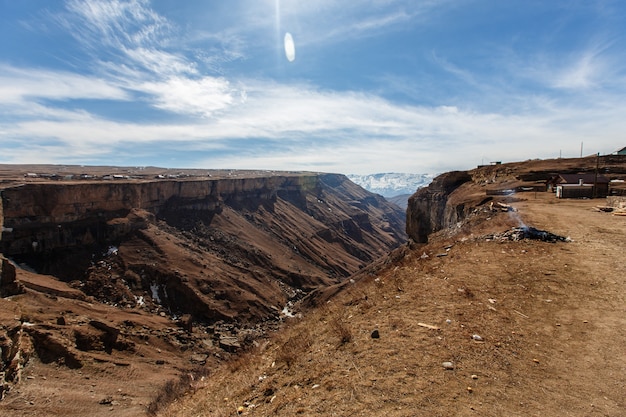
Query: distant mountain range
{"x": 392, "y": 184}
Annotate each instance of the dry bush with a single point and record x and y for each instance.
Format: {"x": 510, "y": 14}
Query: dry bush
{"x": 294, "y": 347}
{"x": 174, "y": 389}
{"x": 341, "y": 329}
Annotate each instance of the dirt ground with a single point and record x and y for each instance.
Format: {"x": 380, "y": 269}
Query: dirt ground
{"x": 530, "y": 328}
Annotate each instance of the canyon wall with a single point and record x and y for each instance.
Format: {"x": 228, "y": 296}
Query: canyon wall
{"x": 432, "y": 208}
{"x": 56, "y": 215}
{"x": 232, "y": 249}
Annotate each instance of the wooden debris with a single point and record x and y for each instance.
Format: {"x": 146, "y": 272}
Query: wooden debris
{"x": 505, "y": 207}
{"x": 521, "y": 314}
{"x": 428, "y": 326}
{"x": 604, "y": 208}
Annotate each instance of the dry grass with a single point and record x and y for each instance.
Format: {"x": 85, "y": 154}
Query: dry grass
{"x": 327, "y": 363}
{"x": 177, "y": 388}
{"x": 294, "y": 347}
{"x": 340, "y": 328}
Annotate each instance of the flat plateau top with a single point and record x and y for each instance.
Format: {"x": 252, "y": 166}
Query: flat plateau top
{"x": 14, "y": 174}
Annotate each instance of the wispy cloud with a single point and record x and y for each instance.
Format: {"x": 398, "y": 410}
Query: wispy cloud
{"x": 18, "y": 85}
{"x": 226, "y": 119}
{"x": 188, "y": 96}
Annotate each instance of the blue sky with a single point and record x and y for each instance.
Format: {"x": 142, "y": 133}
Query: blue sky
{"x": 375, "y": 85}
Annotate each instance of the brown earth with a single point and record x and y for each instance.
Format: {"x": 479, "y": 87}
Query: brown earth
{"x": 550, "y": 316}
{"x": 145, "y": 280}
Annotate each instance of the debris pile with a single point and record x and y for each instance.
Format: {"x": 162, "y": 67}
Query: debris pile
{"x": 527, "y": 232}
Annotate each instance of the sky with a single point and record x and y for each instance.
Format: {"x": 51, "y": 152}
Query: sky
{"x": 353, "y": 87}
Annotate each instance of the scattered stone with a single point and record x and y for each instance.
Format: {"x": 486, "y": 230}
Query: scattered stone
{"x": 229, "y": 343}
{"x": 106, "y": 401}
{"x": 61, "y": 321}
{"x": 477, "y": 337}
{"x": 186, "y": 322}
{"x": 448, "y": 366}
{"x": 375, "y": 334}
{"x": 474, "y": 376}
{"x": 160, "y": 362}
{"x": 199, "y": 358}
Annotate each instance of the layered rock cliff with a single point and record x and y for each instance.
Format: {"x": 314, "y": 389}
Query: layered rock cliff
{"x": 231, "y": 249}
{"x": 453, "y": 196}
{"x": 432, "y": 208}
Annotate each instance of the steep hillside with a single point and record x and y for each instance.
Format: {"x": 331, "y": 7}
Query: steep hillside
{"x": 483, "y": 319}
{"x": 178, "y": 270}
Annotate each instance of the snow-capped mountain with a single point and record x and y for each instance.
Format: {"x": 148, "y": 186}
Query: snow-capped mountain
{"x": 392, "y": 184}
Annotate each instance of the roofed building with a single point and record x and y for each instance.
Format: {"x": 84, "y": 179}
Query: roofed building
{"x": 620, "y": 151}
{"x": 579, "y": 185}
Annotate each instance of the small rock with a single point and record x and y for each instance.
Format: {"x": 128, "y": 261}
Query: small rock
{"x": 448, "y": 365}
{"x": 478, "y": 338}
{"x": 375, "y": 334}
{"x": 474, "y": 376}
{"x": 106, "y": 401}
{"x": 160, "y": 362}
{"x": 199, "y": 358}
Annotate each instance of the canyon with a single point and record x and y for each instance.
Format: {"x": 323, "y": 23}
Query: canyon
{"x": 197, "y": 264}
{"x": 260, "y": 293}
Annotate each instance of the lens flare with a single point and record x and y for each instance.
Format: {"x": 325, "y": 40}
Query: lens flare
{"x": 290, "y": 47}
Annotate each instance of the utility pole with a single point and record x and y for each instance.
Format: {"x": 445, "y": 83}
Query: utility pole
{"x": 595, "y": 180}
{"x": 581, "y": 149}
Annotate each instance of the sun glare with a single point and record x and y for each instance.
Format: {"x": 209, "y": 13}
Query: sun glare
{"x": 290, "y": 47}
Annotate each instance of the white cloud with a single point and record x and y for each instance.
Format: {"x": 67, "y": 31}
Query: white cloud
{"x": 116, "y": 22}
{"x": 188, "y": 96}
{"x": 159, "y": 62}
{"x": 21, "y": 84}
{"x": 301, "y": 127}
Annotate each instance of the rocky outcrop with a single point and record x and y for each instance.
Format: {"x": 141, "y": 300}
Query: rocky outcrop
{"x": 8, "y": 283}
{"x": 429, "y": 210}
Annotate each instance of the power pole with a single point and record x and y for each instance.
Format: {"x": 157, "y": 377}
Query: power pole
{"x": 581, "y": 149}
{"x": 595, "y": 180}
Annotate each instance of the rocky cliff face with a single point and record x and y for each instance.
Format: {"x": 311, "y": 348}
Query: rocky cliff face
{"x": 230, "y": 249}
{"x": 453, "y": 196}
{"x": 431, "y": 209}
